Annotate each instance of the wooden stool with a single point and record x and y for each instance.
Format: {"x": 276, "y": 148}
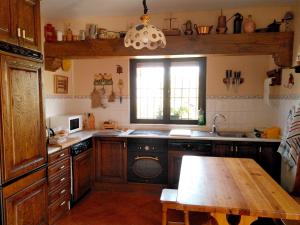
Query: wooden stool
{"x": 168, "y": 200}
{"x": 292, "y": 222}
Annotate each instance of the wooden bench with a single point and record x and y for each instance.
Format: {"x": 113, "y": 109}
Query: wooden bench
{"x": 292, "y": 222}
{"x": 168, "y": 200}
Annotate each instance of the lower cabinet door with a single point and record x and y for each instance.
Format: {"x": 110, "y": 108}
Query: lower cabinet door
{"x": 174, "y": 165}
{"x": 82, "y": 170}
{"x": 25, "y": 201}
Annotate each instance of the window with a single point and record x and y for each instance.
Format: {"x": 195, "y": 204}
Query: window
{"x": 168, "y": 91}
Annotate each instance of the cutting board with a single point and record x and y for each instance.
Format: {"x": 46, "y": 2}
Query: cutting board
{"x": 67, "y": 143}
{"x": 180, "y": 132}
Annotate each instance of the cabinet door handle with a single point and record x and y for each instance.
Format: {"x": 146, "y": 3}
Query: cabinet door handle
{"x": 62, "y": 167}
{"x": 63, "y": 191}
{"x": 236, "y": 149}
{"x": 4, "y": 29}
{"x": 124, "y": 144}
{"x": 19, "y": 32}
{"x": 62, "y": 155}
{"x": 24, "y": 34}
{"x": 146, "y": 157}
{"x": 259, "y": 149}
{"x": 231, "y": 148}
{"x": 64, "y": 202}
{"x": 62, "y": 179}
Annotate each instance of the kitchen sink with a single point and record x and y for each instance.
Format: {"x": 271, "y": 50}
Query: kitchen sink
{"x": 109, "y": 133}
{"x": 233, "y": 134}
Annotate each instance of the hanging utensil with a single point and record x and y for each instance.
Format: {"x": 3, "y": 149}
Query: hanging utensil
{"x": 112, "y": 96}
{"x": 96, "y": 98}
{"x": 120, "y": 84}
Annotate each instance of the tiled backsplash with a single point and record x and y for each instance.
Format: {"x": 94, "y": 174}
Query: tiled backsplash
{"x": 241, "y": 113}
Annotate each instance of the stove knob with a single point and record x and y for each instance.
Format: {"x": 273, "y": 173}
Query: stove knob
{"x": 147, "y": 148}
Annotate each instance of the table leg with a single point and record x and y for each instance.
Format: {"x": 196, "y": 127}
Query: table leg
{"x": 247, "y": 220}
{"x": 220, "y": 218}
{"x": 164, "y": 216}
{"x": 186, "y": 218}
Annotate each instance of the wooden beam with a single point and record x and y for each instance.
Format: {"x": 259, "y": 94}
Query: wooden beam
{"x": 279, "y": 45}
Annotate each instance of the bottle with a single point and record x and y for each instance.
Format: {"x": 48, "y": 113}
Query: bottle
{"x": 91, "y": 121}
{"x": 237, "y": 23}
{"x": 85, "y": 122}
{"x": 249, "y": 25}
{"x": 201, "y": 117}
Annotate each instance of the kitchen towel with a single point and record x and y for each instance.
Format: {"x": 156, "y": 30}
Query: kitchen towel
{"x": 290, "y": 146}
{"x": 267, "y": 83}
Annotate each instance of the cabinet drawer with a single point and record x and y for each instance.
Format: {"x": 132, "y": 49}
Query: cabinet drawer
{"x": 59, "y": 168}
{"x": 58, "y": 209}
{"x": 58, "y": 156}
{"x": 59, "y": 181}
{"x": 61, "y": 192}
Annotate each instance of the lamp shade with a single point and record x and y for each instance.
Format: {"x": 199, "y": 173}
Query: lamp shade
{"x": 145, "y": 35}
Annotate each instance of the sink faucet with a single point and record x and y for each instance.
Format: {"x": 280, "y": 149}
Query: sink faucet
{"x": 214, "y": 128}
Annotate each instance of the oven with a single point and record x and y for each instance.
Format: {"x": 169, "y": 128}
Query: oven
{"x": 147, "y": 161}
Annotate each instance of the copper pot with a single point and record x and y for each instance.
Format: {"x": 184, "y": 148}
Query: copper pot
{"x": 203, "y": 29}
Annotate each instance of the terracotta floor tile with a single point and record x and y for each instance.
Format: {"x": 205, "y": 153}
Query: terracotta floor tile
{"x": 126, "y": 208}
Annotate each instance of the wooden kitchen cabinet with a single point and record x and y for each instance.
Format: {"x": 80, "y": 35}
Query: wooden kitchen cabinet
{"x": 111, "y": 160}
{"x": 59, "y": 184}
{"x": 27, "y": 19}
{"x": 235, "y": 149}
{"x": 23, "y": 124}
{"x": 25, "y": 201}
{"x": 5, "y": 20}
{"x": 263, "y": 153}
{"x": 82, "y": 169}
{"x": 20, "y": 23}
{"x": 269, "y": 159}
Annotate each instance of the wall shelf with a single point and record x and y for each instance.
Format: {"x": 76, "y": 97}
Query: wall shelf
{"x": 279, "y": 45}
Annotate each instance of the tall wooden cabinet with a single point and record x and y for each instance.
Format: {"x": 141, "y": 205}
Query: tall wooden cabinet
{"x": 111, "y": 160}
{"x": 20, "y": 23}
{"x": 23, "y": 154}
{"x": 23, "y": 126}
{"x": 25, "y": 201}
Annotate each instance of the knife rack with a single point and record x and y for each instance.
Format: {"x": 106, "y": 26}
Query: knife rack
{"x": 233, "y": 79}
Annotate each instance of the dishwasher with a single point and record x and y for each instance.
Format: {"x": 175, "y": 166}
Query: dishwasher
{"x": 81, "y": 181}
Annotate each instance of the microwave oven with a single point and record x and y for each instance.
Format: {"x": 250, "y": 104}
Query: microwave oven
{"x": 70, "y": 123}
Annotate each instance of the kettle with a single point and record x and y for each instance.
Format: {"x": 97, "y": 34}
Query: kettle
{"x": 49, "y": 133}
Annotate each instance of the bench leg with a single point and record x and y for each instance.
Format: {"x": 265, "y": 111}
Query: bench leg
{"x": 247, "y": 220}
{"x": 186, "y": 218}
{"x": 164, "y": 216}
{"x": 220, "y": 218}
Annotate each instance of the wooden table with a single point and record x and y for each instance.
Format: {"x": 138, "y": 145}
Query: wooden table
{"x": 235, "y": 186}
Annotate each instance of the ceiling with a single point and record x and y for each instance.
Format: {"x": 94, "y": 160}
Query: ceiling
{"x": 56, "y": 9}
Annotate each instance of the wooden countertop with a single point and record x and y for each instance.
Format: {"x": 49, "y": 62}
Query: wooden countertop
{"x": 233, "y": 186}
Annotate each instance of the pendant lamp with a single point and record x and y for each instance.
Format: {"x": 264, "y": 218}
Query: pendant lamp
{"x": 145, "y": 35}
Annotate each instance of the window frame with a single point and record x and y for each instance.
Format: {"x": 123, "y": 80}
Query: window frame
{"x": 167, "y": 91}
